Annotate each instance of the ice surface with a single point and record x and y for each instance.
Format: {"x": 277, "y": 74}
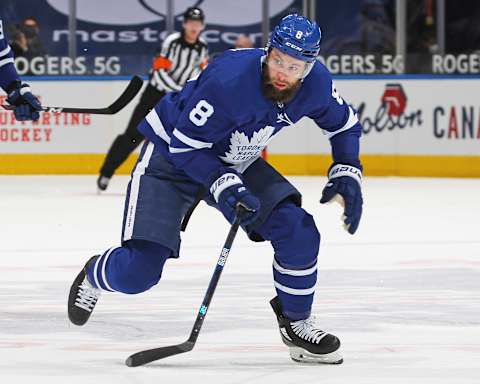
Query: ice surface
{"x": 402, "y": 294}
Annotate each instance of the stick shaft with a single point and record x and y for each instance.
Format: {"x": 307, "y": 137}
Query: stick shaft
{"x": 214, "y": 281}
{"x": 127, "y": 95}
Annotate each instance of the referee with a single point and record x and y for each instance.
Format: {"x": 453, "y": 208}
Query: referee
{"x": 183, "y": 55}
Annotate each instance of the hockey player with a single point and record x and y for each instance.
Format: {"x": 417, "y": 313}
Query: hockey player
{"x": 182, "y": 56}
{"x": 27, "y": 106}
{"x": 209, "y": 136}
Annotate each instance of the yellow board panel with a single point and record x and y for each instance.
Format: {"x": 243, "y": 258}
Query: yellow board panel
{"x": 292, "y": 164}
{"x": 57, "y": 164}
{"x": 383, "y": 165}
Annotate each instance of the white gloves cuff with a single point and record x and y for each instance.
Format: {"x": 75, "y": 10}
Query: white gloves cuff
{"x": 339, "y": 170}
{"x": 223, "y": 182}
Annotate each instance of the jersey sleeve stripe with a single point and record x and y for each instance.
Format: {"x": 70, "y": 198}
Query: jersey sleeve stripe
{"x": 5, "y": 51}
{"x": 352, "y": 120}
{"x": 6, "y": 61}
{"x": 197, "y": 144}
{"x": 180, "y": 150}
{"x": 154, "y": 121}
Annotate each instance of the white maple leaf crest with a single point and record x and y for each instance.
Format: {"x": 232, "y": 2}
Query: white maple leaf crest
{"x": 242, "y": 149}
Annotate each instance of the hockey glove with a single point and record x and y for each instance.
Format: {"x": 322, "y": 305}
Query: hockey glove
{"x": 228, "y": 191}
{"x": 27, "y": 106}
{"x": 344, "y": 186}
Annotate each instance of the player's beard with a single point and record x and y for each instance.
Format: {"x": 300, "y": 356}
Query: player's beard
{"x": 277, "y": 95}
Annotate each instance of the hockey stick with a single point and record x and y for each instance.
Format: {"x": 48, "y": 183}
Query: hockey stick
{"x": 145, "y": 357}
{"x": 127, "y": 95}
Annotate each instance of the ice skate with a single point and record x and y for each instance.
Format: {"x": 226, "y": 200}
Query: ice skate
{"x": 82, "y": 298}
{"x": 306, "y": 342}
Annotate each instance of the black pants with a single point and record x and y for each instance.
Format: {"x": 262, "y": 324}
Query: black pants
{"x": 125, "y": 144}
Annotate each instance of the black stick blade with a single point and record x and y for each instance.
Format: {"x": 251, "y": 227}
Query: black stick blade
{"x": 128, "y": 94}
{"x": 145, "y": 357}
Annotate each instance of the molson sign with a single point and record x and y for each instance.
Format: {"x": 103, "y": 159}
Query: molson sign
{"x": 422, "y": 127}
{"x": 391, "y": 113}
{"x": 450, "y": 121}
{"x": 424, "y": 116}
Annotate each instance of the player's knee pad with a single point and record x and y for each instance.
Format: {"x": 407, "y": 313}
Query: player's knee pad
{"x": 140, "y": 267}
{"x": 294, "y": 236}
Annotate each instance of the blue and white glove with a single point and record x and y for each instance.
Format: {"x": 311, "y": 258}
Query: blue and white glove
{"x": 228, "y": 191}
{"x": 27, "y": 106}
{"x": 345, "y": 186}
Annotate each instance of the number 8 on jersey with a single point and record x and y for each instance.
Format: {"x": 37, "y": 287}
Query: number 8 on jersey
{"x": 201, "y": 113}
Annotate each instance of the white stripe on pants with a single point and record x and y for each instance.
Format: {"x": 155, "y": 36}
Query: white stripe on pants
{"x": 134, "y": 190}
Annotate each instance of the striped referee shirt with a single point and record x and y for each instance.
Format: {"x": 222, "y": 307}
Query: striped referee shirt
{"x": 178, "y": 61}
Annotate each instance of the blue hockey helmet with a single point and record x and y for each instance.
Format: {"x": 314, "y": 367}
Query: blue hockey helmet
{"x": 297, "y": 36}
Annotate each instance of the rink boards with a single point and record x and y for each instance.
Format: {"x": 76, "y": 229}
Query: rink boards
{"x": 413, "y": 126}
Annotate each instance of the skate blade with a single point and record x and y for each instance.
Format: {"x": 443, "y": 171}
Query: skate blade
{"x": 301, "y": 355}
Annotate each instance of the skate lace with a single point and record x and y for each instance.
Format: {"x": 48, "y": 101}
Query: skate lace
{"x": 87, "y": 296}
{"x": 307, "y": 330}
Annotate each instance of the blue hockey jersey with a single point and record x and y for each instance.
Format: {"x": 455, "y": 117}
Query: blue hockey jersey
{"x": 223, "y": 119}
{"x": 8, "y": 73}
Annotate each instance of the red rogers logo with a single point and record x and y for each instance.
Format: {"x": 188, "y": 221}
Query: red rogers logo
{"x": 395, "y": 99}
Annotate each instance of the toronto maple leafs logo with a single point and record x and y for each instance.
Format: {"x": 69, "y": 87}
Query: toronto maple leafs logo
{"x": 242, "y": 149}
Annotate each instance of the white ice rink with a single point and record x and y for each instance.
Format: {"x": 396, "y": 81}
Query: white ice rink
{"x": 402, "y": 294}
